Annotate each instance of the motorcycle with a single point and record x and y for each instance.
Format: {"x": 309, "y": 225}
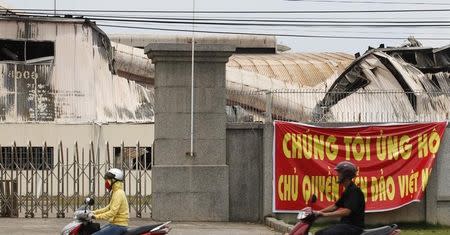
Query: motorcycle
{"x": 83, "y": 225}
{"x": 307, "y": 218}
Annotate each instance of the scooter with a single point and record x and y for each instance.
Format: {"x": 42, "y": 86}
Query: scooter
{"x": 307, "y": 217}
{"x": 83, "y": 225}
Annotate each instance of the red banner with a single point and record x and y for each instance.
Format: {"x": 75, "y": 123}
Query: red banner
{"x": 394, "y": 163}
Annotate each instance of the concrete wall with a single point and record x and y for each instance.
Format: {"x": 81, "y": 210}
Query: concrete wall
{"x": 433, "y": 209}
{"x": 130, "y": 134}
{"x": 438, "y": 209}
{"x": 244, "y": 151}
{"x": 190, "y": 179}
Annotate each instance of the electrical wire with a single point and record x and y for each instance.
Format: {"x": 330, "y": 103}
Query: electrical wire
{"x": 306, "y": 23}
{"x": 312, "y": 24}
{"x": 241, "y": 23}
{"x": 267, "y": 34}
{"x": 236, "y": 12}
{"x": 234, "y": 17}
{"x": 289, "y": 22}
{"x": 376, "y": 2}
{"x": 346, "y": 31}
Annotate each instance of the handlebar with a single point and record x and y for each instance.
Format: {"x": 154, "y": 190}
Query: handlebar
{"x": 82, "y": 213}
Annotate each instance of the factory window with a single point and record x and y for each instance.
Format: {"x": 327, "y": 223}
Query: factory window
{"x": 12, "y": 50}
{"x": 15, "y": 50}
{"x": 35, "y": 50}
{"x": 133, "y": 160}
{"x": 34, "y": 158}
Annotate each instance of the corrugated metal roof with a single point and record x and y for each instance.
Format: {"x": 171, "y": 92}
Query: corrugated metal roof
{"x": 305, "y": 69}
{"x": 379, "y": 85}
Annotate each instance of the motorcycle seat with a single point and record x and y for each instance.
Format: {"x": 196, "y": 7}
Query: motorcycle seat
{"x": 140, "y": 230}
{"x": 385, "y": 230}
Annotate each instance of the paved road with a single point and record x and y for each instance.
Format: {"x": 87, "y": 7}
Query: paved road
{"x": 53, "y": 226}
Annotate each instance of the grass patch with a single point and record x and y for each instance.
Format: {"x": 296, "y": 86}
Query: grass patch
{"x": 407, "y": 228}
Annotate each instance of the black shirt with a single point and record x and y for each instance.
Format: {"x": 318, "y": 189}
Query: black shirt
{"x": 353, "y": 198}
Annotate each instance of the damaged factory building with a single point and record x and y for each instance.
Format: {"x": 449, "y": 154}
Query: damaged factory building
{"x": 401, "y": 84}
{"x": 71, "y": 97}
{"x": 61, "y": 84}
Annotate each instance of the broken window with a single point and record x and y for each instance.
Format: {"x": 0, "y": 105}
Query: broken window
{"x": 12, "y": 50}
{"x": 35, "y": 50}
{"x": 133, "y": 159}
{"x": 28, "y": 51}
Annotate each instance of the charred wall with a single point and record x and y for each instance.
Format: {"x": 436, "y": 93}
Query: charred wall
{"x": 62, "y": 70}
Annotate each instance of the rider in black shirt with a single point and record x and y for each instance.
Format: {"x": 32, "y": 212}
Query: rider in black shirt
{"x": 350, "y": 206}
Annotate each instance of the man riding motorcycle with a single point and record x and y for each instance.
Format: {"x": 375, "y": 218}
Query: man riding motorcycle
{"x": 350, "y": 206}
{"x": 116, "y": 213}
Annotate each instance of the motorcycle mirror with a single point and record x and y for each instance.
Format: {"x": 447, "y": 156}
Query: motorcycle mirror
{"x": 89, "y": 201}
{"x": 313, "y": 198}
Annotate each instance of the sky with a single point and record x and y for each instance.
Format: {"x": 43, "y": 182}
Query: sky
{"x": 298, "y": 44}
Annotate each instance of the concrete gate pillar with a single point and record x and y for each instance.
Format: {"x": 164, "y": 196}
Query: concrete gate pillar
{"x": 186, "y": 188}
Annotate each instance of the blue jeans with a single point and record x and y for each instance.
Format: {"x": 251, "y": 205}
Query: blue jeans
{"x": 111, "y": 229}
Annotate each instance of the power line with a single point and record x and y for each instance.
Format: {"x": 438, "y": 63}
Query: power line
{"x": 233, "y": 18}
{"x": 198, "y": 20}
{"x": 236, "y": 12}
{"x": 376, "y": 2}
{"x": 189, "y": 21}
{"x": 265, "y": 34}
{"x": 327, "y": 23}
{"x": 307, "y": 24}
{"x": 353, "y": 31}
{"x": 345, "y": 31}
{"x": 337, "y": 30}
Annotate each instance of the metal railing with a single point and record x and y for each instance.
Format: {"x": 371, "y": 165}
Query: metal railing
{"x": 318, "y": 106}
{"x": 46, "y": 182}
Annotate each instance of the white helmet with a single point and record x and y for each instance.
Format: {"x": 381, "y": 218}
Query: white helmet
{"x": 114, "y": 173}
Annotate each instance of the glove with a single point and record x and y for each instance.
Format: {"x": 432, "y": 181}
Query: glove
{"x": 91, "y": 216}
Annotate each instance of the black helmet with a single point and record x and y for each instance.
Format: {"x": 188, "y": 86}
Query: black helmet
{"x": 346, "y": 169}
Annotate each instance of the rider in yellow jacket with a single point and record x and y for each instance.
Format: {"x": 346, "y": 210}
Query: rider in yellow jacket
{"x": 116, "y": 213}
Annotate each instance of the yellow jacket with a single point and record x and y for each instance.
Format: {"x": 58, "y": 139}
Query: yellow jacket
{"x": 117, "y": 210}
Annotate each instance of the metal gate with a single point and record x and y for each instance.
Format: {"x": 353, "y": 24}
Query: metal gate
{"x": 45, "y": 181}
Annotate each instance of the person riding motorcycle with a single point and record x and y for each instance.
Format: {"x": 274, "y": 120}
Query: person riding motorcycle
{"x": 350, "y": 206}
{"x": 116, "y": 213}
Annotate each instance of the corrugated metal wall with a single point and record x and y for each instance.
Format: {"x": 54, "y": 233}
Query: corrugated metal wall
{"x": 76, "y": 86}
